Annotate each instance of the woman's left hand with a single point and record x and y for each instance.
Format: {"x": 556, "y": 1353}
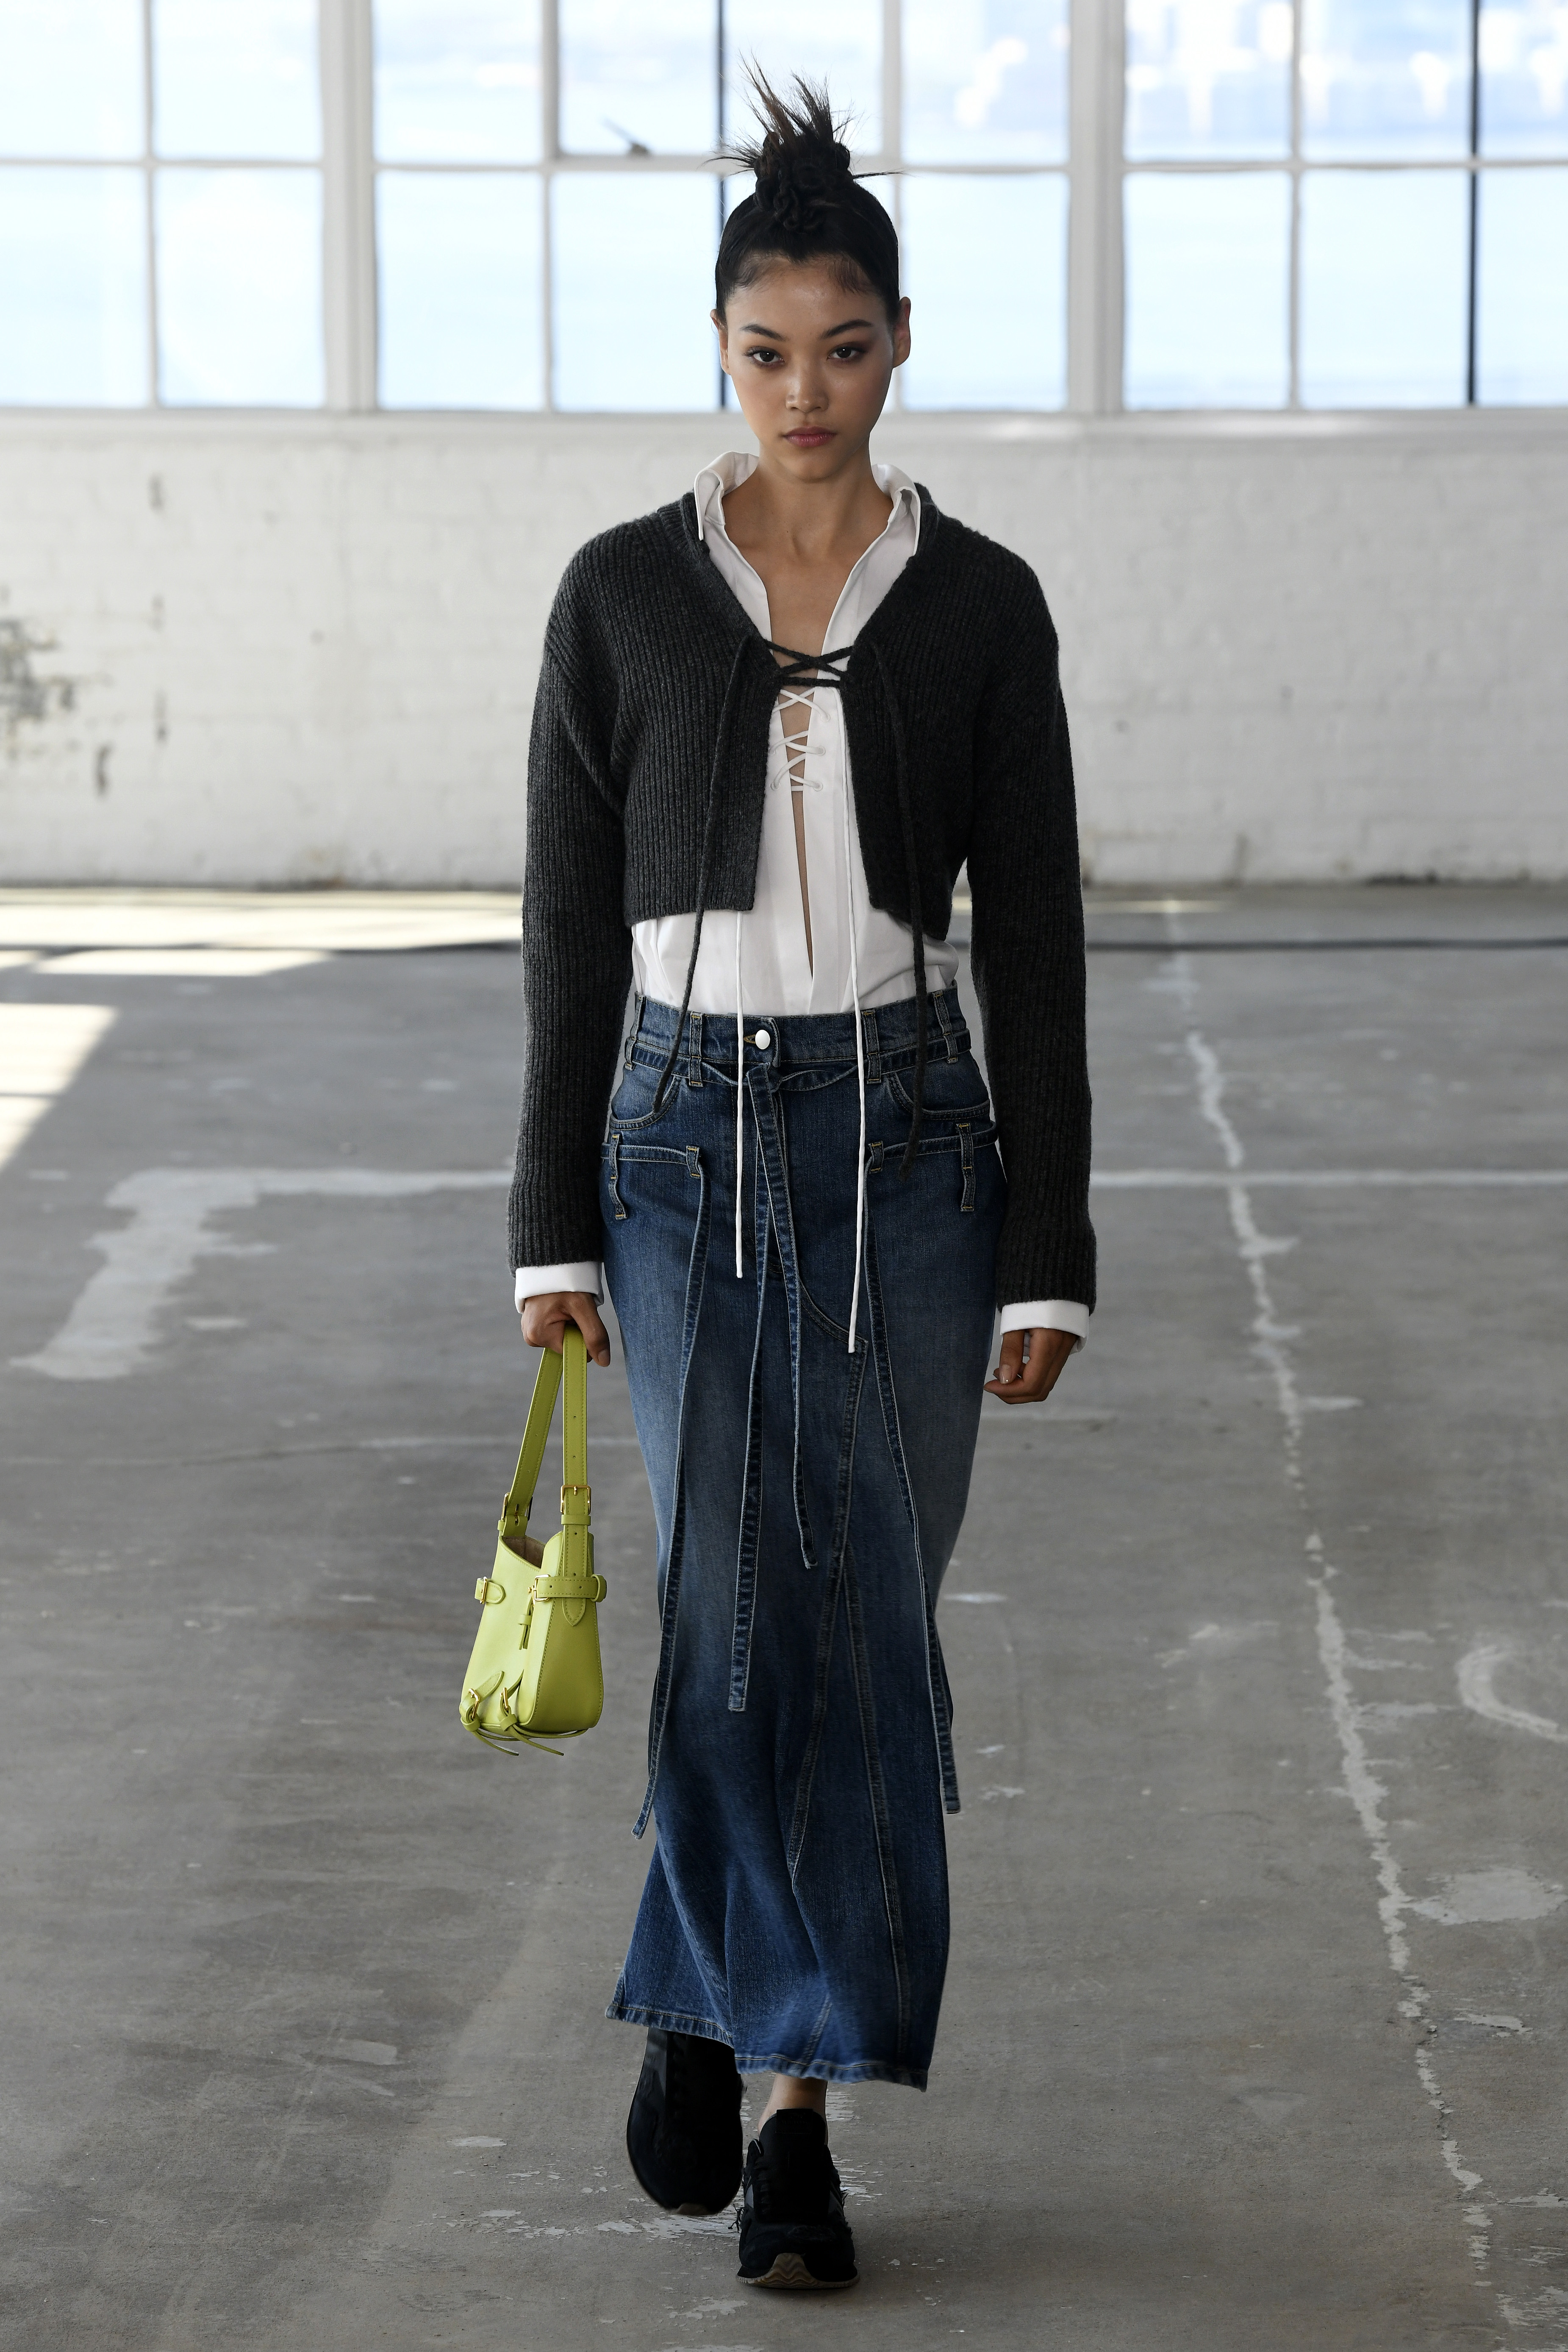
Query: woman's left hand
{"x": 1027, "y": 1376}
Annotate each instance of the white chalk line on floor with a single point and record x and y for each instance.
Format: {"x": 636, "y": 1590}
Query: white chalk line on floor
{"x": 1476, "y": 1674}
{"x": 1180, "y": 1180}
{"x": 112, "y": 1329}
{"x": 1367, "y": 1794}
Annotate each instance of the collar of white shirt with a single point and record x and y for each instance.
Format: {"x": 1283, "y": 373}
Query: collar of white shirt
{"x": 715, "y": 482}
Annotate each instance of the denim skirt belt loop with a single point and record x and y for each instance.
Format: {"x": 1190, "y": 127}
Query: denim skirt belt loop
{"x": 807, "y": 1495}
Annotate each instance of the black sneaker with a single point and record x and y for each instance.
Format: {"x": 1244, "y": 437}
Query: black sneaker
{"x": 683, "y": 2134}
{"x": 791, "y": 2225}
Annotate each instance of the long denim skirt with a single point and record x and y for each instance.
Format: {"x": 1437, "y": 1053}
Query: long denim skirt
{"x": 807, "y": 1495}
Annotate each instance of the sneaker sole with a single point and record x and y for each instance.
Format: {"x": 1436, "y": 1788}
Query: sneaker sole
{"x": 790, "y": 2271}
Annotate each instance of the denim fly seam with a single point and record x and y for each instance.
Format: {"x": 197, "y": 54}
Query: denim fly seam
{"x": 780, "y": 1210}
{"x": 774, "y": 1221}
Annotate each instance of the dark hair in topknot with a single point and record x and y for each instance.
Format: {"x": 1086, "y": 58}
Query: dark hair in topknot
{"x": 808, "y": 205}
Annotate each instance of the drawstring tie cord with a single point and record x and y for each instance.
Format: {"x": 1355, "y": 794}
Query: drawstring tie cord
{"x": 859, "y": 1053}
{"x": 912, "y": 874}
{"x": 807, "y": 670}
{"x": 740, "y": 1103}
{"x": 726, "y": 711}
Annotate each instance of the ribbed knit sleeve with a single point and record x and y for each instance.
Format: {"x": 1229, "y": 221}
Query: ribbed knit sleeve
{"x": 1028, "y": 956}
{"x": 577, "y": 953}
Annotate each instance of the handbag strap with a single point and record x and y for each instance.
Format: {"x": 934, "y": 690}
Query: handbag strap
{"x": 574, "y": 1488}
{"x": 574, "y": 1362}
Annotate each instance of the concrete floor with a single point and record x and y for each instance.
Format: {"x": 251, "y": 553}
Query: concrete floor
{"x": 1254, "y": 2036}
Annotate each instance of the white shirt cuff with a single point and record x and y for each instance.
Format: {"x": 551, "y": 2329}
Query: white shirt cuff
{"x": 577, "y": 1274}
{"x": 1048, "y": 1315}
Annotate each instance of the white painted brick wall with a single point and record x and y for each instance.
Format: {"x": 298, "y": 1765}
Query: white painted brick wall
{"x": 302, "y": 649}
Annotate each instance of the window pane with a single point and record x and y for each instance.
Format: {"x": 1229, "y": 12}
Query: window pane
{"x": 239, "y": 288}
{"x": 1386, "y": 78}
{"x": 1522, "y": 325}
{"x": 1524, "y": 80}
{"x": 1208, "y": 290}
{"x": 73, "y": 288}
{"x": 635, "y": 76}
{"x": 1208, "y": 77}
{"x": 235, "y": 78}
{"x": 1385, "y": 289}
{"x": 633, "y": 285}
{"x": 70, "y": 78}
{"x": 986, "y": 81}
{"x": 456, "y": 82}
{"x": 835, "y": 41}
{"x": 985, "y": 267}
{"x": 461, "y": 296}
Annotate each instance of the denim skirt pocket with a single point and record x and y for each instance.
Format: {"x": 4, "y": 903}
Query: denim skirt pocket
{"x": 954, "y": 1089}
{"x": 659, "y": 1175}
{"x": 632, "y": 1104}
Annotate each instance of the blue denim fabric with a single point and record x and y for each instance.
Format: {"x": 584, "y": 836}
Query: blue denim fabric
{"x": 808, "y": 1502}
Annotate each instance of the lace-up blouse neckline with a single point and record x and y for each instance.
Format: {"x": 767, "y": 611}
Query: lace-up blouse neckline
{"x": 806, "y": 869}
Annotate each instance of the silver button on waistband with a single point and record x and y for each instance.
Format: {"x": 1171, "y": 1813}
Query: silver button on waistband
{"x": 763, "y": 1038}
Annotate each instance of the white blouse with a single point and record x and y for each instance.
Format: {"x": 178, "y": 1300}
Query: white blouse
{"x": 811, "y": 943}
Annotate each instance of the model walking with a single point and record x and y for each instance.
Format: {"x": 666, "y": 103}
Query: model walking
{"x": 775, "y": 718}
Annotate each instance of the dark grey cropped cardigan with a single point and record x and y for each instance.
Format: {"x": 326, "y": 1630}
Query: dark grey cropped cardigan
{"x": 647, "y": 772}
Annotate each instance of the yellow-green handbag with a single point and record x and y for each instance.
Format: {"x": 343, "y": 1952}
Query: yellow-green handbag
{"x": 535, "y": 1665}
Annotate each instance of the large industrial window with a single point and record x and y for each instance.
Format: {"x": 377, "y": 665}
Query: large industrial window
{"x": 546, "y": 214}
{"x": 509, "y": 204}
{"x": 160, "y": 203}
{"x": 1340, "y": 205}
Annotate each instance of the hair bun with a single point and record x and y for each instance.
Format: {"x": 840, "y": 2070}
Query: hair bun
{"x": 802, "y": 165}
{"x": 808, "y": 205}
{"x": 795, "y": 200}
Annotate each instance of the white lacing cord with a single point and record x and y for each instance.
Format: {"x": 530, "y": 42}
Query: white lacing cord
{"x": 740, "y": 1102}
{"x": 859, "y": 1047}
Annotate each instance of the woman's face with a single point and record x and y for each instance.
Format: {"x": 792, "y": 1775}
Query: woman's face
{"x": 811, "y": 363}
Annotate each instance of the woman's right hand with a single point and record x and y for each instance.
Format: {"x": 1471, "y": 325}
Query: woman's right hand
{"x": 544, "y": 1320}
